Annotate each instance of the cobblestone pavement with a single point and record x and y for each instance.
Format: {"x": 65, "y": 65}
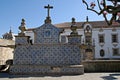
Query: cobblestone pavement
{"x": 86, "y": 76}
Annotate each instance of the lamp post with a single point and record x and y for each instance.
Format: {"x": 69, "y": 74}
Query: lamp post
{"x": 104, "y": 9}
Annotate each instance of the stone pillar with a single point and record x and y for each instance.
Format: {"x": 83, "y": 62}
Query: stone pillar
{"x": 74, "y": 38}
{"x": 21, "y": 38}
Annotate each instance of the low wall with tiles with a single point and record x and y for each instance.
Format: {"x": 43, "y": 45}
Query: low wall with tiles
{"x": 47, "y": 58}
{"x": 102, "y": 66}
{"x": 37, "y": 69}
{"x": 47, "y": 54}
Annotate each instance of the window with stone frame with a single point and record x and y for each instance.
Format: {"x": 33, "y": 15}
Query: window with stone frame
{"x": 101, "y": 38}
{"x": 116, "y": 51}
{"x": 114, "y": 38}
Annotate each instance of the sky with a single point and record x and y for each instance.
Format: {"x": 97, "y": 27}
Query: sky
{"x": 12, "y": 11}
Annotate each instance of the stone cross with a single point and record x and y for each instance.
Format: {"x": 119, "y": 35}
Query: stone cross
{"x": 48, "y": 7}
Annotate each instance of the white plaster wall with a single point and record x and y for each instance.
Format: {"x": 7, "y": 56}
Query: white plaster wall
{"x": 107, "y": 47}
{"x": 31, "y": 34}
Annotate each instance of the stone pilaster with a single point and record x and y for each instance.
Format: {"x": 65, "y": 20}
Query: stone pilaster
{"x": 74, "y": 38}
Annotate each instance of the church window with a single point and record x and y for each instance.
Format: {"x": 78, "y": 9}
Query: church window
{"x": 101, "y": 39}
{"x": 116, "y": 51}
{"x": 114, "y": 38}
{"x": 102, "y": 53}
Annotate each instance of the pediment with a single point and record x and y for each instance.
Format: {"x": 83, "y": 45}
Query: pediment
{"x": 47, "y": 33}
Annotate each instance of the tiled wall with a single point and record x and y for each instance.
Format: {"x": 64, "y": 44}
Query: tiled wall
{"x": 47, "y": 54}
{"x": 36, "y": 69}
{"x": 46, "y": 51}
{"x": 21, "y": 40}
{"x": 47, "y": 33}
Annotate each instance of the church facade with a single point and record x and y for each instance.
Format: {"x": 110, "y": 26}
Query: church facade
{"x": 100, "y": 41}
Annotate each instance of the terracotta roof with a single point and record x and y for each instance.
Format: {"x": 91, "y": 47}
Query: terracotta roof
{"x": 94, "y": 24}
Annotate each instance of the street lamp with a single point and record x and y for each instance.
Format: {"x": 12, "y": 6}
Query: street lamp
{"x": 104, "y": 9}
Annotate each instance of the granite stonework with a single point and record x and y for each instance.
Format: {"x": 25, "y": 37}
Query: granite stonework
{"x": 47, "y": 54}
{"x": 6, "y": 51}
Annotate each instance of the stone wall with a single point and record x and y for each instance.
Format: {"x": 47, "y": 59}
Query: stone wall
{"x": 5, "y": 42}
{"x": 102, "y": 66}
{"x": 5, "y": 51}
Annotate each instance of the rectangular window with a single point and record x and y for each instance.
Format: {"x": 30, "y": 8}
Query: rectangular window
{"x": 101, "y": 38}
{"x": 114, "y": 38}
{"x": 116, "y": 51}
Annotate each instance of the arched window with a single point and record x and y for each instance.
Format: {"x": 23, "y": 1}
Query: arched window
{"x": 102, "y": 53}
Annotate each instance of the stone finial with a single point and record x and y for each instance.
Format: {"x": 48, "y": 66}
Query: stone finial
{"x": 73, "y": 21}
{"x": 48, "y": 20}
{"x": 87, "y": 19}
{"x": 22, "y": 28}
{"x": 74, "y": 27}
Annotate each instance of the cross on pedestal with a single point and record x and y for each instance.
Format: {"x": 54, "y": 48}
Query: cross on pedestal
{"x": 48, "y": 7}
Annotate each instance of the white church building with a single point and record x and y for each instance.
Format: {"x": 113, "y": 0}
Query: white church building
{"x": 101, "y": 40}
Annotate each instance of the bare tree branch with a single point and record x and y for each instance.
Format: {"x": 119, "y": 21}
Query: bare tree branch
{"x": 106, "y": 19}
{"x": 99, "y": 5}
{"x": 108, "y": 8}
{"x": 90, "y": 8}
